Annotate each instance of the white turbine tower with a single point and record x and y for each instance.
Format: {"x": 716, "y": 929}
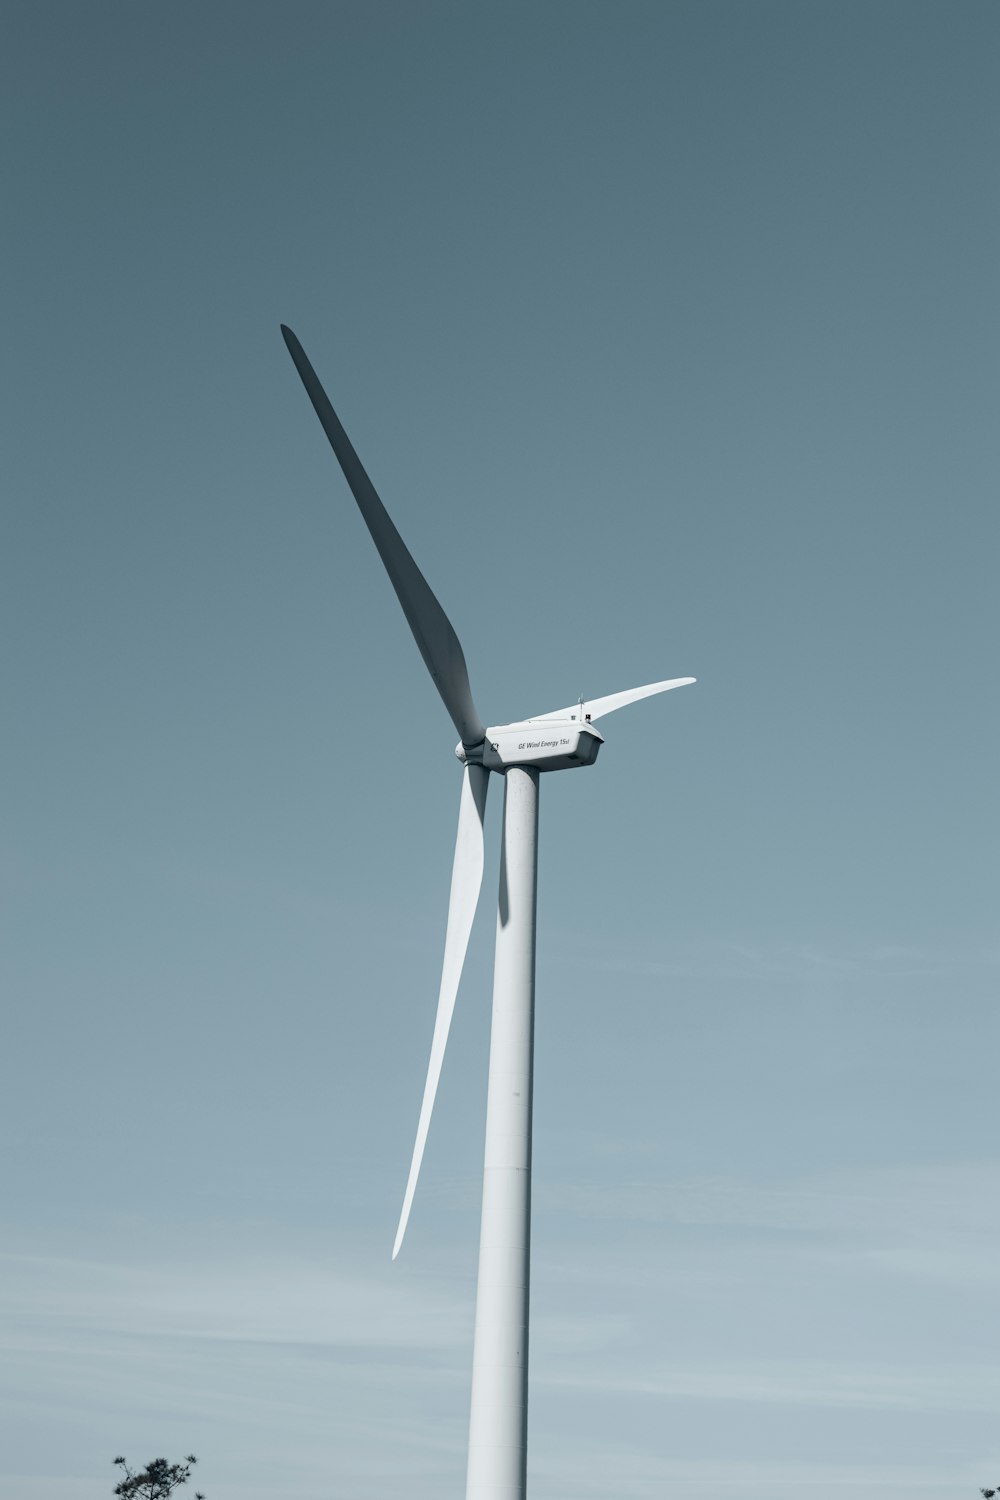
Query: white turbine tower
{"x": 554, "y": 741}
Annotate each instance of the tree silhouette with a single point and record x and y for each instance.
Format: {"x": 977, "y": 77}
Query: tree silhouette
{"x": 156, "y": 1481}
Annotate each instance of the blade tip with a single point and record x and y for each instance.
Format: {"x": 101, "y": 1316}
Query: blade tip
{"x": 404, "y": 1219}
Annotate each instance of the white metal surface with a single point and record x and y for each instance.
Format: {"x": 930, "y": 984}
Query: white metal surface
{"x": 466, "y": 881}
{"x": 551, "y": 746}
{"x": 595, "y": 708}
{"x": 498, "y": 1422}
{"x": 520, "y": 751}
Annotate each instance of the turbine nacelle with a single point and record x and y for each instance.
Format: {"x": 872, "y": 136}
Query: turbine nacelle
{"x": 557, "y": 740}
{"x": 547, "y": 744}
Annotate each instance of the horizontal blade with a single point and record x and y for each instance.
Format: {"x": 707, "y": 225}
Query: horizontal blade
{"x": 466, "y": 882}
{"x": 596, "y": 708}
{"x": 432, "y": 630}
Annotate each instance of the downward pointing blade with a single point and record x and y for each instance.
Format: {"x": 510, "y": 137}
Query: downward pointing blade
{"x": 466, "y": 881}
{"x": 432, "y": 630}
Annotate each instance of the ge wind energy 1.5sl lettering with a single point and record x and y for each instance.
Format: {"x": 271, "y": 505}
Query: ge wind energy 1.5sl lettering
{"x": 554, "y": 741}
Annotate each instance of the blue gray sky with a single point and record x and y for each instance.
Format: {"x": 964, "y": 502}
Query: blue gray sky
{"x": 669, "y": 335}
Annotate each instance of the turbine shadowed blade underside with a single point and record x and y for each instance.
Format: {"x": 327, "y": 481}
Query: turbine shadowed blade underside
{"x": 466, "y": 882}
{"x": 432, "y": 630}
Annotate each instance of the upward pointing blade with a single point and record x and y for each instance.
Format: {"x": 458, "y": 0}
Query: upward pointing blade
{"x": 466, "y": 882}
{"x": 432, "y": 630}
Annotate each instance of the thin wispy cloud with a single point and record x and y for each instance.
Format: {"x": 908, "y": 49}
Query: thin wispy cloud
{"x": 969, "y": 1387}
{"x": 780, "y": 961}
{"x": 940, "y": 1202}
{"x": 287, "y": 1301}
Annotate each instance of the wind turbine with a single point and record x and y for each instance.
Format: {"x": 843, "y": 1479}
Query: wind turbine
{"x": 555, "y": 741}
